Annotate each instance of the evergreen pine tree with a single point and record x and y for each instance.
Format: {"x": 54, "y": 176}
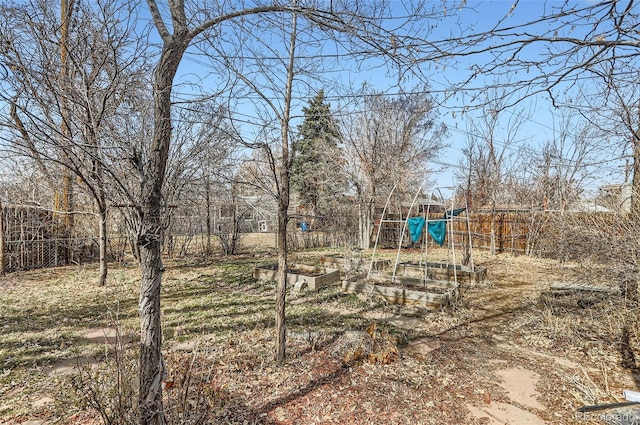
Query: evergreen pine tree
{"x": 315, "y": 150}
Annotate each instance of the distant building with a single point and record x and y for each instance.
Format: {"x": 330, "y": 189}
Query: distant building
{"x": 615, "y": 197}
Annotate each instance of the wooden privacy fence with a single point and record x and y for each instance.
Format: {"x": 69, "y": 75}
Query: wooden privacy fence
{"x": 519, "y": 232}
{"x": 35, "y": 238}
{"x": 546, "y": 233}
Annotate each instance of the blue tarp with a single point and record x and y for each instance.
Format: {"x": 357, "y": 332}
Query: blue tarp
{"x": 453, "y": 213}
{"x": 416, "y": 224}
{"x": 437, "y": 229}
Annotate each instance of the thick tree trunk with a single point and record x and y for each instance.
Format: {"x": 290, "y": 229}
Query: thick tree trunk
{"x": 151, "y": 234}
{"x": 281, "y": 290}
{"x": 365, "y": 222}
{"x": 151, "y": 364}
{"x": 366, "y": 213}
{"x": 365, "y": 241}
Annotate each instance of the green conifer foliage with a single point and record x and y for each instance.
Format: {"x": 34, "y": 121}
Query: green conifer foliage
{"x": 312, "y": 175}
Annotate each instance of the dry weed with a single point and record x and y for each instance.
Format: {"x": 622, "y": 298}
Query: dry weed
{"x": 108, "y": 387}
{"x": 376, "y": 347}
{"x": 590, "y": 389}
{"x": 191, "y": 395}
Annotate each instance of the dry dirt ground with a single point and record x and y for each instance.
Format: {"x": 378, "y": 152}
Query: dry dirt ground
{"x": 508, "y": 352}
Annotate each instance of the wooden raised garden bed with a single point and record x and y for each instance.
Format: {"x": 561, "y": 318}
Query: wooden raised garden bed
{"x": 338, "y": 262}
{"x": 411, "y": 282}
{"x": 300, "y": 275}
{"x": 443, "y": 272}
{"x": 401, "y": 295}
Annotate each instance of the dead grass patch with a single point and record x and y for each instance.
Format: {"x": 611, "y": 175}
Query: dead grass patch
{"x": 227, "y": 318}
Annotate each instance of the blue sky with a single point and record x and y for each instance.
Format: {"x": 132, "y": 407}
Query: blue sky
{"x": 540, "y": 123}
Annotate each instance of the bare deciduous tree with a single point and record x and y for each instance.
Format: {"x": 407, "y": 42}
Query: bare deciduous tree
{"x": 61, "y": 110}
{"x": 563, "y": 165}
{"x": 490, "y": 155}
{"x": 361, "y": 24}
{"x": 387, "y": 142}
{"x": 357, "y": 28}
{"x": 551, "y": 49}
{"x": 613, "y": 107}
